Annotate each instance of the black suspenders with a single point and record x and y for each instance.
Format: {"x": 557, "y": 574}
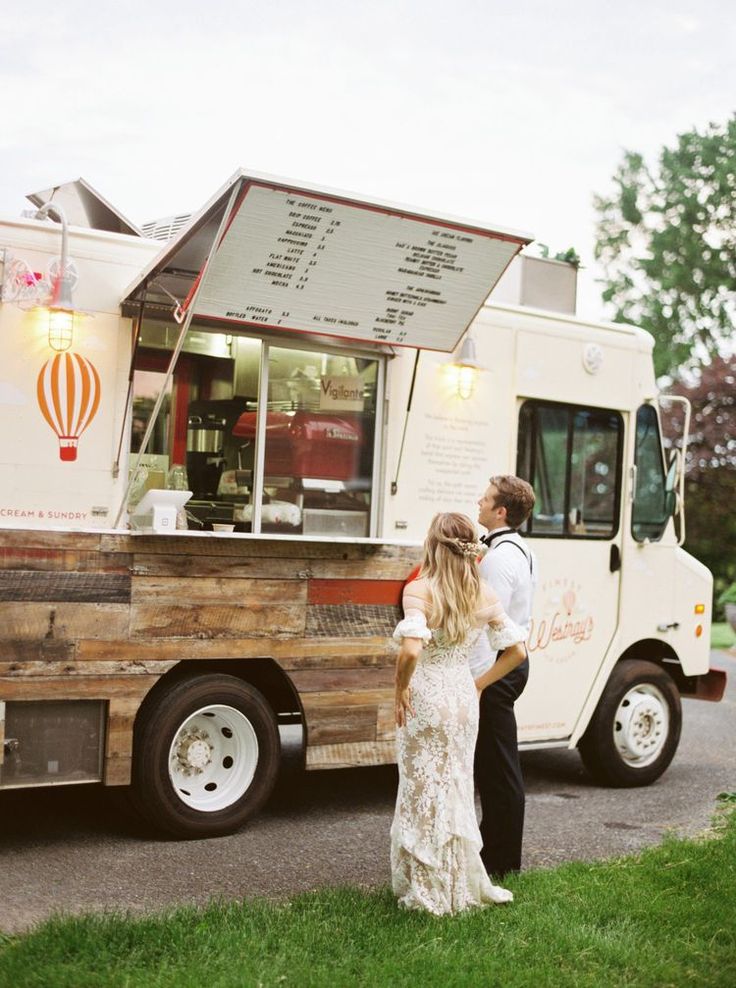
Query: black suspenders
{"x": 522, "y": 551}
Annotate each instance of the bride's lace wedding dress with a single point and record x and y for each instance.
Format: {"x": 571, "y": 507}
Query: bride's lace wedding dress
{"x": 435, "y": 840}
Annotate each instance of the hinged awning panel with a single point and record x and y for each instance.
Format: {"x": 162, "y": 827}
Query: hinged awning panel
{"x": 291, "y": 259}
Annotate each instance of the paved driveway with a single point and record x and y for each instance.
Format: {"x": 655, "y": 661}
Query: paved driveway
{"x": 71, "y": 849}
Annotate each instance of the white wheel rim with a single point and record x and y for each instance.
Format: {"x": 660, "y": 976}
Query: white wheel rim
{"x": 213, "y": 758}
{"x": 641, "y": 725}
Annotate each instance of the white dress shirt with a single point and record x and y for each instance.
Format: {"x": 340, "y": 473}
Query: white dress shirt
{"x": 506, "y": 570}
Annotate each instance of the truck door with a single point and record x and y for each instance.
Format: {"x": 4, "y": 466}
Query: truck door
{"x": 572, "y": 455}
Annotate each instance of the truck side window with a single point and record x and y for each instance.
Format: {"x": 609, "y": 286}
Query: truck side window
{"x": 649, "y": 517}
{"x": 572, "y": 457}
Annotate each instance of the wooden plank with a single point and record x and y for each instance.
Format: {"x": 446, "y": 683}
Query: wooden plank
{"x": 118, "y": 771}
{"x": 372, "y": 568}
{"x": 225, "y": 567}
{"x": 361, "y": 591}
{"x": 386, "y": 721}
{"x": 25, "y": 670}
{"x": 212, "y": 621}
{"x": 42, "y": 650}
{"x": 290, "y": 653}
{"x": 64, "y": 621}
{"x": 351, "y": 754}
{"x": 119, "y": 743}
{"x": 332, "y": 726}
{"x": 13, "y": 538}
{"x": 326, "y": 680}
{"x": 356, "y": 697}
{"x": 67, "y": 560}
{"x": 33, "y": 585}
{"x": 333, "y": 620}
{"x": 196, "y": 591}
{"x": 264, "y": 548}
{"x": 81, "y": 688}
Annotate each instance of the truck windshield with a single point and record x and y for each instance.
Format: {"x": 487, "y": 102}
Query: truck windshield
{"x": 650, "y": 516}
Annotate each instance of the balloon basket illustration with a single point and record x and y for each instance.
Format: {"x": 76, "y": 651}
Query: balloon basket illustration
{"x": 68, "y": 392}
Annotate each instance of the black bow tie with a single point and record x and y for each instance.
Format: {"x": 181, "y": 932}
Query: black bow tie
{"x": 488, "y": 539}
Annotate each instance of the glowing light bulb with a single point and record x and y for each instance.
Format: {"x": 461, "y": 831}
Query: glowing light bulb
{"x": 61, "y": 329}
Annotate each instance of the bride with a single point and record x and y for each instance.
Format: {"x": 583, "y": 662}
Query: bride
{"x": 435, "y": 840}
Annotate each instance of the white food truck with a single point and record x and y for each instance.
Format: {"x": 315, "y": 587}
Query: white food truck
{"x": 221, "y": 452}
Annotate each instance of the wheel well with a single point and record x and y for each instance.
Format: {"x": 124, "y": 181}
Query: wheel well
{"x": 662, "y": 654}
{"x": 263, "y": 673}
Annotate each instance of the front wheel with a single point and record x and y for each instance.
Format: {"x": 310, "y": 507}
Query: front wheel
{"x": 206, "y": 756}
{"x": 634, "y": 732}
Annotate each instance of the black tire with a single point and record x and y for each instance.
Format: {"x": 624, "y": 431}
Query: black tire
{"x": 249, "y": 778}
{"x": 655, "y": 711}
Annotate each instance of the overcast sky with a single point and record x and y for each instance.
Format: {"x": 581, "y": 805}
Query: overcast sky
{"x": 515, "y": 113}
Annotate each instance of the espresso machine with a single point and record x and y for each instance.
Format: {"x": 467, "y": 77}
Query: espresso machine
{"x": 205, "y": 453}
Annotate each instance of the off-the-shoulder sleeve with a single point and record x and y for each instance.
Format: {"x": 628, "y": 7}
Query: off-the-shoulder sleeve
{"x": 413, "y": 626}
{"x": 506, "y": 634}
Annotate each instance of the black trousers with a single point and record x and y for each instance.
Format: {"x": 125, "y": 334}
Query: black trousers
{"x": 498, "y": 776}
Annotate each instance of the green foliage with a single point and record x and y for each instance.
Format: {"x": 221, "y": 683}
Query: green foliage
{"x": 569, "y": 256}
{"x": 728, "y": 596}
{"x": 722, "y": 636}
{"x": 710, "y": 482}
{"x": 666, "y": 238}
{"x": 664, "y": 917}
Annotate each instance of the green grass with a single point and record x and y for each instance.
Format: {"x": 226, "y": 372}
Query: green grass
{"x": 722, "y": 635}
{"x": 666, "y": 917}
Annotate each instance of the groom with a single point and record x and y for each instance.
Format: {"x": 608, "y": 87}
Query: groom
{"x": 509, "y": 566}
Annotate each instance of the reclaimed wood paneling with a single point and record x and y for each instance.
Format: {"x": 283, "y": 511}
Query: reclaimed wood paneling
{"x": 290, "y": 653}
{"x": 66, "y": 560}
{"x": 119, "y": 741}
{"x": 197, "y": 590}
{"x": 370, "y": 568}
{"x": 103, "y": 616}
{"x": 26, "y": 538}
{"x": 208, "y": 544}
{"x": 21, "y": 670}
{"x": 31, "y": 585}
{"x": 212, "y": 621}
{"x": 76, "y": 688}
{"x": 331, "y": 620}
{"x": 224, "y": 567}
{"x": 333, "y": 726}
{"x": 63, "y": 621}
{"x": 40, "y": 650}
{"x": 348, "y": 755}
{"x": 355, "y": 592}
{"x": 326, "y": 680}
{"x": 315, "y": 702}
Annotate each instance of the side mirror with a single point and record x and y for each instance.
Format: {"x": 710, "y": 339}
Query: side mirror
{"x": 671, "y": 483}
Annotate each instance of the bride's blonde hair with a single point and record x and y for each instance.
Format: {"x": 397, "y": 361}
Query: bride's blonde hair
{"x": 449, "y": 566}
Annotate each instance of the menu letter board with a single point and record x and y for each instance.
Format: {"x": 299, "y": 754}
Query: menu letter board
{"x": 301, "y": 261}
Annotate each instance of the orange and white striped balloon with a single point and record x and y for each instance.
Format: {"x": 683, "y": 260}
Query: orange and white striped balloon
{"x": 68, "y": 391}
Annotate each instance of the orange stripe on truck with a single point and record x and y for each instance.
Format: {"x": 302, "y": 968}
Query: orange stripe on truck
{"x": 355, "y": 592}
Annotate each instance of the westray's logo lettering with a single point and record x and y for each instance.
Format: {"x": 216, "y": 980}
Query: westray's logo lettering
{"x": 565, "y": 621}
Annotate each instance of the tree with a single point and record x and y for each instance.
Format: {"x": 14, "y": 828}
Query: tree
{"x": 710, "y": 467}
{"x": 666, "y": 239}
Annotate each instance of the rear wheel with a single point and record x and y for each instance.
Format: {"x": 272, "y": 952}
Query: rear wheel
{"x": 634, "y": 732}
{"x": 206, "y": 756}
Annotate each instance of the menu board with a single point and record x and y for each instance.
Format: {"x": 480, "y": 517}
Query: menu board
{"x": 301, "y": 261}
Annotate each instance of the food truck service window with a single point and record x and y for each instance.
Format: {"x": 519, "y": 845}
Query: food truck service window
{"x": 269, "y": 437}
{"x": 572, "y": 457}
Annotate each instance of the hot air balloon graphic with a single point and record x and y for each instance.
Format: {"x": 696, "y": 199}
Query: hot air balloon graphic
{"x": 68, "y": 391}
